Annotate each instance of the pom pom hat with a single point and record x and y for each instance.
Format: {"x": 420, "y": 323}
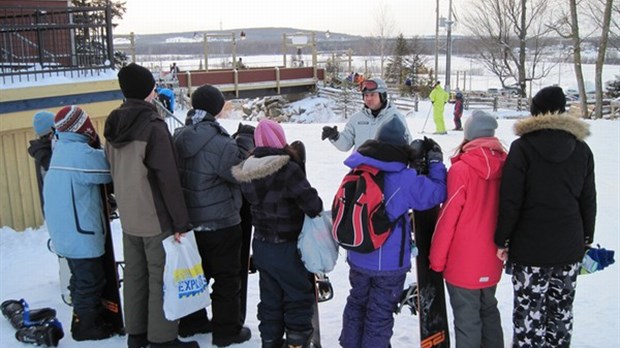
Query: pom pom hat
{"x": 136, "y": 81}
{"x": 269, "y": 134}
{"x": 43, "y": 123}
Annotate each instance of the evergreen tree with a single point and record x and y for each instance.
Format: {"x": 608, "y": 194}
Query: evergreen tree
{"x": 613, "y": 87}
{"x": 398, "y": 65}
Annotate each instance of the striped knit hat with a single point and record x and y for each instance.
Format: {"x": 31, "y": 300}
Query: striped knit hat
{"x": 269, "y": 134}
{"x": 73, "y": 119}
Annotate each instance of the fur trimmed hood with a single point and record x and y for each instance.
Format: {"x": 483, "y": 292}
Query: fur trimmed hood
{"x": 259, "y": 167}
{"x": 567, "y": 122}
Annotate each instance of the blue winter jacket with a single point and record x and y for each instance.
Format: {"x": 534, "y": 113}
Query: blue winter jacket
{"x": 73, "y": 205}
{"x": 403, "y": 189}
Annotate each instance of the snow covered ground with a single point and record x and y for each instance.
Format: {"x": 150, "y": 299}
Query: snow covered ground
{"x": 28, "y": 270}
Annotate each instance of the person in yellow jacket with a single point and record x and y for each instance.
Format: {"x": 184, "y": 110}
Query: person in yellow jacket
{"x": 439, "y": 98}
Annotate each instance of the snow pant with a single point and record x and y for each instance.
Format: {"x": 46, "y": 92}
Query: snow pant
{"x": 543, "y": 305}
{"x": 165, "y": 101}
{"x": 287, "y": 293}
{"x": 440, "y": 126}
{"x": 457, "y": 122}
{"x": 143, "y": 288}
{"x": 221, "y": 261}
{"x": 86, "y": 285}
{"x": 477, "y": 322}
{"x": 368, "y": 317}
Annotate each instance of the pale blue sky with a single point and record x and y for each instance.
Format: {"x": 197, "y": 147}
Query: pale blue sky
{"x": 356, "y": 17}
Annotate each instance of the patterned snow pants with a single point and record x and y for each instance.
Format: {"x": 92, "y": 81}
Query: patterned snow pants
{"x": 543, "y": 305}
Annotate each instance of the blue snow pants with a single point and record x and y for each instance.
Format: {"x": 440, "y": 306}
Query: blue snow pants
{"x": 368, "y": 317}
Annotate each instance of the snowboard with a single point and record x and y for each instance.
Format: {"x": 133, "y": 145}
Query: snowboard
{"x": 246, "y": 242}
{"x": 111, "y": 297}
{"x": 323, "y": 290}
{"x": 431, "y": 297}
{"x": 64, "y": 275}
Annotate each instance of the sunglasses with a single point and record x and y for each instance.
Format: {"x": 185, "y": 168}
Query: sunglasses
{"x": 368, "y": 86}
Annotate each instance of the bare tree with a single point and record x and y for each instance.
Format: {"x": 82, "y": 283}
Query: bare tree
{"x": 512, "y": 38}
{"x": 385, "y": 28}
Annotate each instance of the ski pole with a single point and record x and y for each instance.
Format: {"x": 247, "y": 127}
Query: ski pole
{"x": 426, "y": 120}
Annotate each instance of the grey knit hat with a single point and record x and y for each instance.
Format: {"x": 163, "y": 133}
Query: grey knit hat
{"x": 480, "y": 124}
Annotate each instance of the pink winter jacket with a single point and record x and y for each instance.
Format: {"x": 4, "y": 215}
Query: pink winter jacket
{"x": 462, "y": 246}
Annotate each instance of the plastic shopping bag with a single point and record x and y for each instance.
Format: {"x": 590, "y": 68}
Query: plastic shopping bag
{"x": 318, "y": 249}
{"x": 185, "y": 286}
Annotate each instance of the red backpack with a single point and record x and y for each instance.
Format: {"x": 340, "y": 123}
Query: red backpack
{"x": 360, "y": 221}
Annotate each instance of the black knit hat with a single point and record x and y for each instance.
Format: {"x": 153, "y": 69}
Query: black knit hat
{"x": 209, "y": 99}
{"x": 393, "y": 132}
{"x": 136, "y": 81}
{"x": 548, "y": 100}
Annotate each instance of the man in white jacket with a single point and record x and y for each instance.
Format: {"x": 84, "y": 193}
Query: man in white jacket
{"x": 364, "y": 124}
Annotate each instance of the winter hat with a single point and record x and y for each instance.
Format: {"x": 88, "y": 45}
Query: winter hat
{"x": 479, "y": 125}
{"x": 136, "y": 81}
{"x": 209, "y": 99}
{"x": 269, "y": 134}
{"x": 73, "y": 119}
{"x": 393, "y": 132}
{"x": 548, "y": 100}
{"x": 43, "y": 122}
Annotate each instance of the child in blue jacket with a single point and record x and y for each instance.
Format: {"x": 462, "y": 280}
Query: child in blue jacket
{"x": 377, "y": 278}
{"x": 74, "y": 214}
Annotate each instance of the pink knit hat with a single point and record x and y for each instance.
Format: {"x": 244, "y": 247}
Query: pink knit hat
{"x": 269, "y": 134}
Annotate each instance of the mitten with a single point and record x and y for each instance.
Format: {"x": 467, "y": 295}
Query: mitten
{"x": 330, "y": 133}
{"x": 433, "y": 151}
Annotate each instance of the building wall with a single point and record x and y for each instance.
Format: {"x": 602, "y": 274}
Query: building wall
{"x": 19, "y": 198}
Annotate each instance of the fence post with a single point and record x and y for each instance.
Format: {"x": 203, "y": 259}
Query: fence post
{"x": 415, "y": 105}
{"x": 495, "y": 101}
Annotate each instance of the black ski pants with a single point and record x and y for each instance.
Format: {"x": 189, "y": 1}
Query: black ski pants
{"x": 86, "y": 285}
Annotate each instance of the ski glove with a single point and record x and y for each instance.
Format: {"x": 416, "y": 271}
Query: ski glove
{"x": 330, "y": 133}
{"x": 596, "y": 259}
{"x": 418, "y": 159}
{"x": 433, "y": 151}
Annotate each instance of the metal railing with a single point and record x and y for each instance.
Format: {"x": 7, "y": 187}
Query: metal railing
{"x": 36, "y": 41}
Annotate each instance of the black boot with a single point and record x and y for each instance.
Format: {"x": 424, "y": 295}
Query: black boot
{"x": 47, "y": 333}
{"x": 298, "y": 339}
{"x": 175, "y": 343}
{"x": 137, "y": 341}
{"x": 195, "y": 323}
{"x": 89, "y": 327}
{"x": 244, "y": 335}
{"x": 279, "y": 343}
{"x": 18, "y": 313}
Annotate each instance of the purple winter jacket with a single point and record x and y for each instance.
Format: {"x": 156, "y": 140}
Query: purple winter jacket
{"x": 403, "y": 189}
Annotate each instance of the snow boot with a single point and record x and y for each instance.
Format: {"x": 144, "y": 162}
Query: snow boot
{"x": 175, "y": 343}
{"x": 279, "y": 343}
{"x": 19, "y": 314}
{"x": 298, "y": 339}
{"x": 137, "y": 341}
{"x": 47, "y": 333}
{"x": 89, "y": 327}
{"x": 244, "y": 335}
{"x": 195, "y": 323}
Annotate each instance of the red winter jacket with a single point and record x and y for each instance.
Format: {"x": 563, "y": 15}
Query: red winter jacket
{"x": 463, "y": 247}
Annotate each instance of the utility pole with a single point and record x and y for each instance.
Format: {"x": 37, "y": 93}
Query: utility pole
{"x": 436, "y": 40}
{"x": 449, "y": 47}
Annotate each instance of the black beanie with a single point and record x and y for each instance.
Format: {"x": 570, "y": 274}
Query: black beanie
{"x": 393, "y": 132}
{"x": 209, "y": 99}
{"x": 548, "y": 100}
{"x": 136, "y": 81}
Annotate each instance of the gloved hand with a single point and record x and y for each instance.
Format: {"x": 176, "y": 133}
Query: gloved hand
{"x": 418, "y": 156}
{"x": 433, "y": 151}
{"x": 330, "y": 133}
{"x": 244, "y": 129}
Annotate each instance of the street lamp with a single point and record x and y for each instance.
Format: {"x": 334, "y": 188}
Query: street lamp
{"x": 205, "y": 44}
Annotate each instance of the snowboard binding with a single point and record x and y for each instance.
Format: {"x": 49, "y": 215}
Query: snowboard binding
{"x": 409, "y": 297}
{"x": 38, "y": 326}
{"x": 325, "y": 291}
{"x": 46, "y": 333}
{"x": 20, "y": 316}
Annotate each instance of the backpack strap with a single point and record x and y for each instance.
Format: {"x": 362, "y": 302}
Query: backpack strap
{"x": 403, "y": 241}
